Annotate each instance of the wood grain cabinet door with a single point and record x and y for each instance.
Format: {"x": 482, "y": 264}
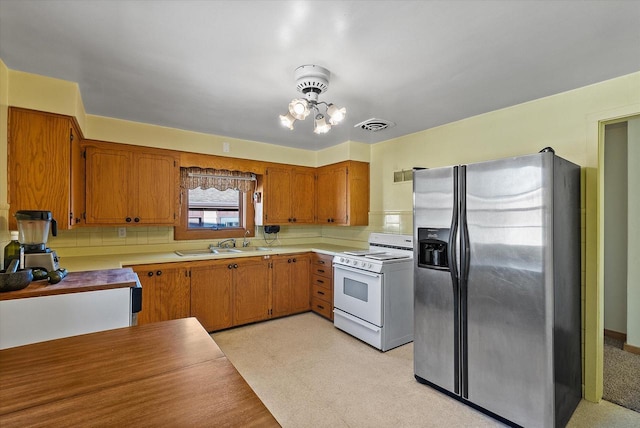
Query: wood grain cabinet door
{"x": 109, "y": 185}
{"x": 252, "y": 294}
{"x": 39, "y": 164}
{"x": 166, "y": 292}
{"x": 281, "y": 286}
{"x": 155, "y": 181}
{"x": 300, "y": 284}
{"x": 277, "y": 196}
{"x": 211, "y": 295}
{"x": 303, "y": 196}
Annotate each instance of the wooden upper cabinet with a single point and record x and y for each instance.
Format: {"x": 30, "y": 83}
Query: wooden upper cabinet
{"x": 127, "y": 185}
{"x": 343, "y": 194}
{"x": 289, "y": 195}
{"x": 45, "y": 166}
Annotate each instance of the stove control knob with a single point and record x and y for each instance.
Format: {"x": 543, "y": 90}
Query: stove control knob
{"x": 341, "y": 259}
{"x": 369, "y": 265}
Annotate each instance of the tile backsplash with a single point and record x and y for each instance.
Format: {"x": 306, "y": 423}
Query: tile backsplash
{"x": 106, "y": 240}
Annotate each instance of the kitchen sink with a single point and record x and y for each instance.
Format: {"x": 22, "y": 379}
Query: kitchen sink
{"x": 210, "y": 251}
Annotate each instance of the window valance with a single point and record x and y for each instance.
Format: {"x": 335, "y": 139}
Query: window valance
{"x": 220, "y": 179}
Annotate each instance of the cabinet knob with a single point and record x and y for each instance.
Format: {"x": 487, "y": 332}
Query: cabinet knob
{"x": 159, "y": 273}
{"x": 230, "y": 266}
{"x": 294, "y": 220}
{"x": 128, "y": 219}
{"x": 149, "y": 273}
{"x": 235, "y": 266}
{"x": 137, "y": 219}
{"x": 288, "y": 260}
{"x": 289, "y": 220}
{"x": 294, "y": 260}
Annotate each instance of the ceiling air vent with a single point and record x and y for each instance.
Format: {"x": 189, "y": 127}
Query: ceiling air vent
{"x": 375, "y": 125}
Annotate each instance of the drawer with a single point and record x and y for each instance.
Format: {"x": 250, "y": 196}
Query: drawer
{"x": 322, "y": 265}
{"x": 322, "y": 293}
{"x": 322, "y": 281}
{"x": 322, "y": 270}
{"x": 321, "y": 307}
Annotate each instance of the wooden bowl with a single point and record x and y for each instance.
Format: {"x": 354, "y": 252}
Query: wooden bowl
{"x": 15, "y": 281}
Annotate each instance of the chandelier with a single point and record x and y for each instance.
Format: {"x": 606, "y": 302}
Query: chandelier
{"x": 311, "y": 81}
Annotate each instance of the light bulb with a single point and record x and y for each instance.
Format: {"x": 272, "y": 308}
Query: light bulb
{"x": 299, "y": 108}
{"x": 336, "y": 115}
{"x": 287, "y": 120}
{"x": 321, "y": 125}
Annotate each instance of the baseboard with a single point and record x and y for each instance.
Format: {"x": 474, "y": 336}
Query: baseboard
{"x": 631, "y": 348}
{"x": 615, "y": 335}
{"x": 623, "y": 338}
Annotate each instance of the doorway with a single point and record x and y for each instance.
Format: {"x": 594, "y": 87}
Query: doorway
{"x": 621, "y": 367}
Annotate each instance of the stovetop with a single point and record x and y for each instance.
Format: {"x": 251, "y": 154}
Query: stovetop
{"x": 384, "y": 250}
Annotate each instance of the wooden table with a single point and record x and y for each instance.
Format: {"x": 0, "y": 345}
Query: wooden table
{"x": 162, "y": 374}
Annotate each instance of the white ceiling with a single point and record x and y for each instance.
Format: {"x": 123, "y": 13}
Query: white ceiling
{"x": 226, "y": 67}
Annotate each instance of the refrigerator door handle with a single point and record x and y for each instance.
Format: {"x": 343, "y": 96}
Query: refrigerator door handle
{"x": 453, "y": 231}
{"x": 465, "y": 252}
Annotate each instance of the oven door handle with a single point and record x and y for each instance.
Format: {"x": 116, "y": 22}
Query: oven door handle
{"x": 356, "y": 320}
{"x": 355, "y": 270}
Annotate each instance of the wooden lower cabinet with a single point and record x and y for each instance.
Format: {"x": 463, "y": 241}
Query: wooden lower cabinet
{"x": 229, "y": 292}
{"x": 212, "y": 295}
{"x": 251, "y": 290}
{"x": 290, "y": 284}
{"x": 166, "y": 292}
{"x": 322, "y": 285}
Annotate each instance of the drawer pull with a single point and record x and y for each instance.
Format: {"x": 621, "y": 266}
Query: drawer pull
{"x": 321, "y": 270}
{"x": 320, "y": 262}
{"x": 321, "y": 293}
{"x": 320, "y": 306}
{"x": 319, "y": 281}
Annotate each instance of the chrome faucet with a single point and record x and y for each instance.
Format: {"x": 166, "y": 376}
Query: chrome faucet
{"x": 245, "y": 241}
{"x": 225, "y": 243}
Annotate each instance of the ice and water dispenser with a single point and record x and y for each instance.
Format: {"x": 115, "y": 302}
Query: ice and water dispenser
{"x": 433, "y": 248}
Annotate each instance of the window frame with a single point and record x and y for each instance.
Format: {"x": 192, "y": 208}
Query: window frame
{"x": 246, "y": 216}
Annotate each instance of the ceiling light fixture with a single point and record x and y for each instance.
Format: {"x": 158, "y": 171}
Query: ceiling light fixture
{"x": 311, "y": 81}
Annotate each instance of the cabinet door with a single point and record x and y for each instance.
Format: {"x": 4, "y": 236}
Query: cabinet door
{"x": 281, "y": 286}
{"x": 77, "y": 178}
{"x": 108, "y": 185}
{"x": 211, "y": 295}
{"x": 39, "y": 164}
{"x": 251, "y": 290}
{"x": 303, "y": 191}
{"x": 332, "y": 195}
{"x": 155, "y": 181}
{"x": 300, "y": 284}
{"x": 277, "y": 196}
{"x": 166, "y": 292}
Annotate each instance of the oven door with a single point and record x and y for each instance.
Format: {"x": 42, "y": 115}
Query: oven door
{"x": 359, "y": 293}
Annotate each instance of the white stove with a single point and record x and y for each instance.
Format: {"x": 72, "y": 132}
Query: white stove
{"x": 373, "y": 291}
{"x": 384, "y": 248}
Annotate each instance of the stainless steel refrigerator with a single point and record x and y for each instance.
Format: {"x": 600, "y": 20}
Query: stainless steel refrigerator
{"x": 497, "y": 286}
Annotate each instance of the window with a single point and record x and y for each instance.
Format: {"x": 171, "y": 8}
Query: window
{"x": 213, "y": 208}
{"x": 215, "y": 204}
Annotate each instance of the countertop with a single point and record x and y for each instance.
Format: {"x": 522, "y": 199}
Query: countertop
{"x": 76, "y": 282}
{"x": 114, "y": 261}
{"x": 169, "y": 373}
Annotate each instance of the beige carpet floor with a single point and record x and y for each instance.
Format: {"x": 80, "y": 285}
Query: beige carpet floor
{"x": 310, "y": 374}
{"x": 621, "y": 375}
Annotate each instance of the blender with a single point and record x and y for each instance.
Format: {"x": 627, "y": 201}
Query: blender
{"x": 33, "y": 232}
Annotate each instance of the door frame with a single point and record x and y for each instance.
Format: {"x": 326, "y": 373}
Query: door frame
{"x": 592, "y": 189}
